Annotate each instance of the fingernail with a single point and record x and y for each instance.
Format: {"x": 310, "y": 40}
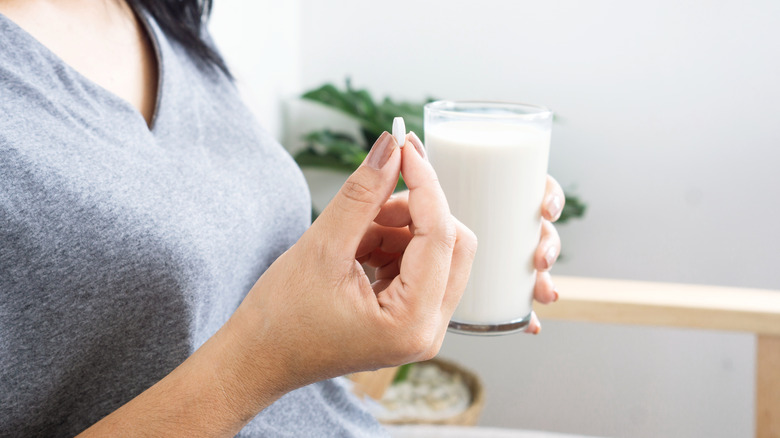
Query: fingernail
{"x": 555, "y": 291}
{"x": 549, "y": 255}
{"x": 554, "y": 206}
{"x": 418, "y": 145}
{"x": 538, "y": 330}
{"x": 381, "y": 151}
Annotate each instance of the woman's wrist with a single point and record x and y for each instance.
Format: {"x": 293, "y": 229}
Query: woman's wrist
{"x": 246, "y": 371}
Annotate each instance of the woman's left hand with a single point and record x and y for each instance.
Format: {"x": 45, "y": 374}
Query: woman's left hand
{"x": 548, "y": 249}
{"x": 546, "y": 252}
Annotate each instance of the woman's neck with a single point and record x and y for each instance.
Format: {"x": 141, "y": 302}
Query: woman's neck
{"x": 101, "y": 39}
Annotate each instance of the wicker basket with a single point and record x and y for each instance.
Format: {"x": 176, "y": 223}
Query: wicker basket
{"x": 471, "y": 415}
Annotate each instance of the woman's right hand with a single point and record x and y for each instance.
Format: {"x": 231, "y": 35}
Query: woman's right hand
{"x": 313, "y": 314}
{"x": 315, "y": 308}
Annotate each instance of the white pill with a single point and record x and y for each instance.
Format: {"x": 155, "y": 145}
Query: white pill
{"x": 399, "y": 130}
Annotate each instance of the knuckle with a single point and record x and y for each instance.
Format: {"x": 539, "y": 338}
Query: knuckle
{"x": 443, "y": 231}
{"x": 357, "y": 191}
{"x": 417, "y": 344}
{"x": 421, "y": 346}
{"x": 470, "y": 240}
{"x": 449, "y": 232}
{"x": 430, "y": 354}
{"x": 433, "y": 348}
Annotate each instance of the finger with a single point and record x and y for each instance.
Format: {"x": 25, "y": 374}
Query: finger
{"x": 389, "y": 270}
{"x": 544, "y": 289}
{"x": 395, "y": 212}
{"x": 554, "y": 200}
{"x": 347, "y": 217}
{"x": 549, "y": 247}
{"x": 462, "y": 258}
{"x": 387, "y": 239}
{"x": 381, "y": 284}
{"x": 534, "y": 326}
{"x": 378, "y": 259}
{"x": 426, "y": 263}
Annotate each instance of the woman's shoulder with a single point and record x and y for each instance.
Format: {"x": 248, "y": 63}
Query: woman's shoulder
{"x": 20, "y": 55}
{"x": 31, "y": 77}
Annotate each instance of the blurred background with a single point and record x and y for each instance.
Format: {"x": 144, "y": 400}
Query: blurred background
{"x": 668, "y": 130}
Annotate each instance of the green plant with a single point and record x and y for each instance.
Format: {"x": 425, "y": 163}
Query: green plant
{"x": 342, "y": 151}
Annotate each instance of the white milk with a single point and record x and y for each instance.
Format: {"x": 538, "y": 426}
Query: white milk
{"x": 494, "y": 176}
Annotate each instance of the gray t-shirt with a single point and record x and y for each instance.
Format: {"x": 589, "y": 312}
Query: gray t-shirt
{"x": 122, "y": 249}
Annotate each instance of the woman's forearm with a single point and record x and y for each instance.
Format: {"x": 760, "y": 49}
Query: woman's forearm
{"x": 215, "y": 392}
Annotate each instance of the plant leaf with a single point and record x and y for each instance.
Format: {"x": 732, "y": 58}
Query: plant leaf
{"x": 402, "y": 373}
{"x": 330, "y": 96}
{"x": 334, "y": 150}
{"x": 572, "y": 208}
{"x": 373, "y": 118}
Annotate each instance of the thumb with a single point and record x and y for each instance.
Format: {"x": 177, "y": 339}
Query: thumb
{"x": 347, "y": 217}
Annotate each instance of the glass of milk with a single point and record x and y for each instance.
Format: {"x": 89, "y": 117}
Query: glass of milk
{"x": 491, "y": 159}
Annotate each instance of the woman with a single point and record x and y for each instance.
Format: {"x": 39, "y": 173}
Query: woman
{"x": 158, "y": 274}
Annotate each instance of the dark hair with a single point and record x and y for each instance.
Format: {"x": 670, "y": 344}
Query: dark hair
{"x": 183, "y": 20}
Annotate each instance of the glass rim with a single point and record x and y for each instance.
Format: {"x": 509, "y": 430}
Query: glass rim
{"x": 511, "y": 109}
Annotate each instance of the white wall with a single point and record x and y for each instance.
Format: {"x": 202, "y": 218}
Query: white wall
{"x": 669, "y": 112}
{"x": 260, "y": 40}
{"x": 669, "y": 130}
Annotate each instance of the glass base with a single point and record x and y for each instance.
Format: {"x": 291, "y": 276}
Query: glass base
{"x": 503, "y": 328}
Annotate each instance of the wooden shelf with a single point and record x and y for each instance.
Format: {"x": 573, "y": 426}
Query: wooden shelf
{"x": 688, "y": 306}
{"x": 665, "y": 304}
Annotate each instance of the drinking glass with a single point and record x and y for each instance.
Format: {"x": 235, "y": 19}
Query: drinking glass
{"x": 491, "y": 160}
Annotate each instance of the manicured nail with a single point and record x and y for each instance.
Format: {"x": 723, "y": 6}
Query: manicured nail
{"x": 549, "y": 255}
{"x": 381, "y": 151}
{"x": 418, "y": 145}
{"x": 555, "y": 291}
{"x": 554, "y": 207}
